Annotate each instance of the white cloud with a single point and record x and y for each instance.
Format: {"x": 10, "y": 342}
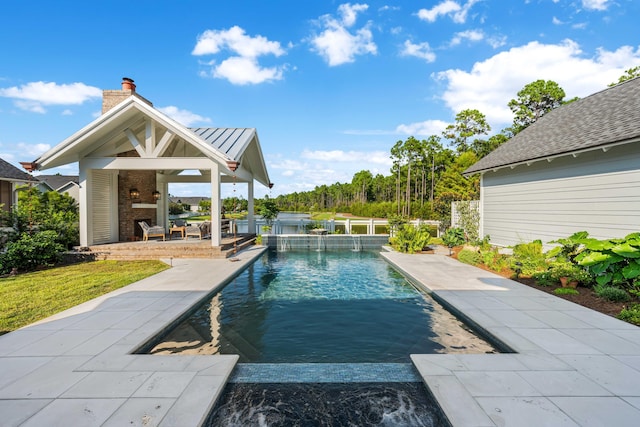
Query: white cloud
{"x": 242, "y": 71}
{"x": 336, "y": 44}
{"x": 490, "y": 84}
{"x": 426, "y": 128}
{"x": 471, "y": 35}
{"x": 556, "y": 21}
{"x": 448, "y": 8}
{"x": 185, "y": 117}
{"x": 349, "y": 12}
{"x": 596, "y": 4}
{"x": 234, "y": 39}
{"x": 35, "y": 96}
{"x": 376, "y": 157}
{"x": 420, "y": 50}
{"x": 242, "y": 66}
{"x": 67, "y": 112}
{"x": 445, "y": 8}
{"x": 33, "y": 149}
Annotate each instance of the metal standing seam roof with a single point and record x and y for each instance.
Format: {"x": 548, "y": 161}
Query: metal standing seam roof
{"x": 608, "y": 117}
{"x": 230, "y": 141}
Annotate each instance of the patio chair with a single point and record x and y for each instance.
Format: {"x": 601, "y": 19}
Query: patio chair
{"x": 201, "y": 230}
{"x": 151, "y": 231}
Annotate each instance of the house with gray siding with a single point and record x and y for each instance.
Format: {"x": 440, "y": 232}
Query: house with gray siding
{"x": 577, "y": 168}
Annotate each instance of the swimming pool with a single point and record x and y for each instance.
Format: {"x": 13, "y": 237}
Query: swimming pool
{"x": 320, "y": 307}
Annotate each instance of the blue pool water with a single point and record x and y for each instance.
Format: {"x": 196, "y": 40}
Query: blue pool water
{"x": 320, "y": 307}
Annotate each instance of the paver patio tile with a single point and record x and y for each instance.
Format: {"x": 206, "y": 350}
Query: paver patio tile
{"x": 102, "y": 319}
{"x": 523, "y": 303}
{"x": 633, "y": 401}
{"x": 555, "y": 342}
{"x": 99, "y": 343}
{"x": 599, "y": 411}
{"x": 558, "y": 319}
{"x": 600, "y": 321}
{"x": 107, "y": 385}
{"x": 57, "y": 343}
{"x": 632, "y": 361}
{"x": 14, "y": 368}
{"x": 608, "y": 372}
{"x": 15, "y": 412}
{"x": 195, "y": 403}
{"x": 460, "y": 407}
{"x": 495, "y": 383}
{"x": 604, "y": 341}
{"x": 491, "y": 362}
{"x": 542, "y": 361}
{"x": 165, "y": 384}
{"x": 150, "y": 362}
{"x": 16, "y": 340}
{"x": 563, "y": 383}
{"x": 74, "y": 412}
{"x": 524, "y": 412}
{"x": 114, "y": 358}
{"x": 515, "y": 319}
{"x": 436, "y": 364}
{"x": 140, "y": 412}
{"x": 48, "y": 381}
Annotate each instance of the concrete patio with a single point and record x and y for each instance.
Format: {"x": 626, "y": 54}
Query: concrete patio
{"x": 572, "y": 366}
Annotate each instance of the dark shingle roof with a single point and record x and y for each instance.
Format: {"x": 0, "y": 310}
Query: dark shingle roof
{"x": 55, "y": 182}
{"x": 607, "y": 117}
{"x": 12, "y": 173}
{"x": 189, "y": 200}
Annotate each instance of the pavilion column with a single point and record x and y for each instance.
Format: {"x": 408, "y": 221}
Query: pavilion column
{"x": 83, "y": 204}
{"x": 162, "y": 209}
{"x": 251, "y": 223}
{"x": 216, "y": 233}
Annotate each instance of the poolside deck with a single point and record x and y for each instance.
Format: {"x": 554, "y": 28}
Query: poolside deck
{"x": 156, "y": 248}
{"x": 573, "y": 366}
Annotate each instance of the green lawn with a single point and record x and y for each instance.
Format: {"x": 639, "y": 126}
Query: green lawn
{"x": 29, "y": 297}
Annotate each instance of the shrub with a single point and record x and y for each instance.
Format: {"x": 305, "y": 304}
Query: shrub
{"x": 631, "y": 314}
{"x": 544, "y": 278}
{"x": 614, "y": 261}
{"x": 494, "y": 260}
{"x": 530, "y": 258}
{"x": 469, "y": 257}
{"x": 454, "y": 237}
{"x": 566, "y": 291}
{"x": 611, "y": 293}
{"x": 31, "y": 251}
{"x": 410, "y": 239}
{"x": 571, "y": 271}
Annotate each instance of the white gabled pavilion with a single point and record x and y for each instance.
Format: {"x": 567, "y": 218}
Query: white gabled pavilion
{"x": 133, "y": 146}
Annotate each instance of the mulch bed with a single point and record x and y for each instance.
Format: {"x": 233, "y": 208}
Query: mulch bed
{"x": 586, "y": 297}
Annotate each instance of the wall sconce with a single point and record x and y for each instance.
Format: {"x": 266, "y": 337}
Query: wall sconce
{"x": 156, "y": 195}
{"x": 134, "y": 193}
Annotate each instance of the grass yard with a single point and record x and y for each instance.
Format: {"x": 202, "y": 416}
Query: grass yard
{"x": 29, "y": 297}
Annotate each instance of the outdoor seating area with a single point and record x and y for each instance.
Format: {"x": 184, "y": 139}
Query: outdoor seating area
{"x": 151, "y": 231}
{"x": 201, "y": 230}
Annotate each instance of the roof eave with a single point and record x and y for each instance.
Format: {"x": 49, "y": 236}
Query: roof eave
{"x": 604, "y": 147}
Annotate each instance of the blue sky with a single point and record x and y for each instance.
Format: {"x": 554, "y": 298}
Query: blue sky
{"x": 329, "y": 85}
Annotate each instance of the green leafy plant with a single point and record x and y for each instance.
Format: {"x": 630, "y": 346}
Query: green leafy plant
{"x": 612, "y": 261}
{"x": 566, "y": 291}
{"x": 568, "y": 271}
{"x": 544, "y": 278}
{"x": 631, "y": 314}
{"x": 469, "y": 257}
{"x": 528, "y": 258}
{"x": 570, "y": 247}
{"x": 31, "y": 251}
{"x": 410, "y": 239}
{"x": 454, "y": 237}
{"x": 611, "y": 293}
{"x": 493, "y": 259}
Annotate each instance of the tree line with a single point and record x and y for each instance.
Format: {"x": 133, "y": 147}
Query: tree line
{"x": 426, "y": 175}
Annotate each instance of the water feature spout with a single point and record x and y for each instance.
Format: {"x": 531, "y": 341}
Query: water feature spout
{"x": 283, "y": 243}
{"x": 357, "y": 244}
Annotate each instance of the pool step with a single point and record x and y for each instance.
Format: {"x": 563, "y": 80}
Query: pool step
{"x": 324, "y": 373}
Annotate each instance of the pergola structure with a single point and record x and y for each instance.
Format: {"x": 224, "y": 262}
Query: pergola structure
{"x": 129, "y": 155}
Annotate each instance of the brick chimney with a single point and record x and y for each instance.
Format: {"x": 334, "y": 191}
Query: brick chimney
{"x": 111, "y": 98}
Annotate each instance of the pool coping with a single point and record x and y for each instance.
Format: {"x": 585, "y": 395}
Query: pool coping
{"x": 573, "y": 366}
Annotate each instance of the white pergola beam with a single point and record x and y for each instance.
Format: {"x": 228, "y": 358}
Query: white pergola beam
{"x": 134, "y": 141}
